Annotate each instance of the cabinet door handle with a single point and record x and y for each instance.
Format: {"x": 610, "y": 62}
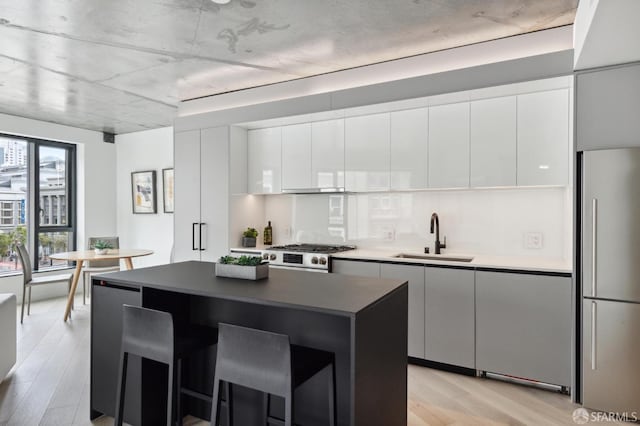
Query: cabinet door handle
{"x": 594, "y": 242}
{"x": 594, "y": 336}
{"x": 193, "y": 236}
{"x": 200, "y": 244}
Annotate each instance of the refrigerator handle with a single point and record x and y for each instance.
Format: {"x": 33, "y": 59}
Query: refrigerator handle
{"x": 594, "y": 336}
{"x": 594, "y": 241}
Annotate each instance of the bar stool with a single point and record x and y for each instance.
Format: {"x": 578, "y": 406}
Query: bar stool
{"x": 154, "y": 335}
{"x": 269, "y": 363}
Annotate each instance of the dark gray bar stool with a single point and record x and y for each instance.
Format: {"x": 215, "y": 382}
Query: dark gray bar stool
{"x": 154, "y": 335}
{"x": 269, "y": 363}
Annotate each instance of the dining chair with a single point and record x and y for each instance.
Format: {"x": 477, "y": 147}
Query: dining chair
{"x": 29, "y": 280}
{"x": 98, "y": 266}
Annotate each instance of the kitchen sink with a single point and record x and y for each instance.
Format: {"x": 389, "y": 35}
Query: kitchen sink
{"x": 440, "y": 257}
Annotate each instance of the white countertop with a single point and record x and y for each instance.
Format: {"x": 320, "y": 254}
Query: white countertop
{"x": 523, "y": 263}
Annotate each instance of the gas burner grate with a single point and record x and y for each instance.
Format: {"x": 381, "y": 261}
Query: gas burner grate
{"x": 312, "y": 248}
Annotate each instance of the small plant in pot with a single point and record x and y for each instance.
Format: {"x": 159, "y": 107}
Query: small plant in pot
{"x": 243, "y": 267}
{"x": 102, "y": 247}
{"x": 249, "y": 237}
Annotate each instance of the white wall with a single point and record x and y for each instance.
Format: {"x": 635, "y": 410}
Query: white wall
{"x": 96, "y": 195}
{"x": 139, "y": 151}
{"x": 606, "y": 33}
{"x": 488, "y": 221}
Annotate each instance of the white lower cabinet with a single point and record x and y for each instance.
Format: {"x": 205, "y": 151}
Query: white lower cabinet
{"x": 449, "y": 329}
{"x": 512, "y": 323}
{"x": 356, "y": 268}
{"x": 415, "y": 277}
{"x": 523, "y": 326}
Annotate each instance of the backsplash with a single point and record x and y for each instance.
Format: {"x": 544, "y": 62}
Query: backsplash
{"x": 487, "y": 221}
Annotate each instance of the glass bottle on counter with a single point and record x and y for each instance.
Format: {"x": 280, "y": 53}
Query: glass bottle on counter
{"x": 268, "y": 235}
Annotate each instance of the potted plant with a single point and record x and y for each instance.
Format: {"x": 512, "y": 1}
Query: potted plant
{"x": 102, "y": 247}
{"x": 249, "y": 237}
{"x": 243, "y": 267}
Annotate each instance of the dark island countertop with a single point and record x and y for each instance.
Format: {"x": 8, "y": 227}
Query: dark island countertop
{"x": 338, "y": 294}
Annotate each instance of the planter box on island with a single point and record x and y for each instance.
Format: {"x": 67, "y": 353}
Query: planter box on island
{"x": 243, "y": 272}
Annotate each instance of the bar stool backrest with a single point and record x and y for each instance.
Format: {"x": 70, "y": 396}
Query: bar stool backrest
{"x": 148, "y": 333}
{"x": 254, "y": 358}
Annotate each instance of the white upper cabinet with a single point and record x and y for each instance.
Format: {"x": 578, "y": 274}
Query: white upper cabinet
{"x": 296, "y": 156}
{"x": 409, "y": 132}
{"x": 449, "y": 146}
{"x": 265, "y": 160}
{"x": 367, "y": 148}
{"x": 543, "y": 138}
{"x": 327, "y": 154}
{"x": 493, "y": 142}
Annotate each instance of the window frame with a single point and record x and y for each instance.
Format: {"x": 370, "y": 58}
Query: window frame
{"x": 34, "y": 229}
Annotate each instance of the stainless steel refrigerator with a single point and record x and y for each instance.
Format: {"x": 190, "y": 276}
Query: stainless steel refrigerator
{"x": 611, "y": 280}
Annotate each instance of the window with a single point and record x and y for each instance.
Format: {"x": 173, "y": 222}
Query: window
{"x": 41, "y": 215}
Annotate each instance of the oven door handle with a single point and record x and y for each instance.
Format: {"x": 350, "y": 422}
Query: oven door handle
{"x": 298, "y": 268}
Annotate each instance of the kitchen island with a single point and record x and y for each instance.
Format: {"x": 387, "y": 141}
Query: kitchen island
{"x": 363, "y": 321}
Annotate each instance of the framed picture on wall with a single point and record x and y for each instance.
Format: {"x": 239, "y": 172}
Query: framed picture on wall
{"x": 167, "y": 190}
{"x": 143, "y": 191}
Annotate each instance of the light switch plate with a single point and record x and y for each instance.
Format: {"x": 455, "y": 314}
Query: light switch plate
{"x": 533, "y": 240}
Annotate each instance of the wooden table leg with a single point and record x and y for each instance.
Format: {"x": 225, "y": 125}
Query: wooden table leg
{"x": 128, "y": 263}
{"x": 74, "y": 285}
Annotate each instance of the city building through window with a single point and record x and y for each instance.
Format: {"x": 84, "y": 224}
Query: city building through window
{"x": 37, "y": 204}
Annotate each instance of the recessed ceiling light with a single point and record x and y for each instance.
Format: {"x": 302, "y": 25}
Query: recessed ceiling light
{"x": 221, "y": 1}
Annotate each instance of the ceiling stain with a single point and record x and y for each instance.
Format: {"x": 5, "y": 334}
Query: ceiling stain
{"x": 253, "y": 25}
{"x": 230, "y": 37}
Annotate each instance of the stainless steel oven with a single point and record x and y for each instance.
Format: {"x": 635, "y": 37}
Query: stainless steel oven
{"x": 307, "y": 257}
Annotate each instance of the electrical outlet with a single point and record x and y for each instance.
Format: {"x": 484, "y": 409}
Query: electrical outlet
{"x": 533, "y": 240}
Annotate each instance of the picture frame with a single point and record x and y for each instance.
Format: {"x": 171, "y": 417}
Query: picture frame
{"x": 143, "y": 192}
{"x": 167, "y": 190}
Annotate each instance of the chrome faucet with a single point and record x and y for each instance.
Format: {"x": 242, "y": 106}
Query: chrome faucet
{"x": 438, "y": 245}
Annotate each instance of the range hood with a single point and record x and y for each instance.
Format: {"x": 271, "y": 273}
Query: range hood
{"x": 329, "y": 190}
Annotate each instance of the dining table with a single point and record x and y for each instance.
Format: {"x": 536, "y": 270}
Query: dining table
{"x": 81, "y": 256}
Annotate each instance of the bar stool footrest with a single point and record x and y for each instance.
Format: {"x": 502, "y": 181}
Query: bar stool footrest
{"x": 195, "y": 394}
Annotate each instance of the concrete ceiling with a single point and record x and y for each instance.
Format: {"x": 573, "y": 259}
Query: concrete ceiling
{"x": 123, "y": 66}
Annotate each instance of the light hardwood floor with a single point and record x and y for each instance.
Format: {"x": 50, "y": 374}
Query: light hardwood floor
{"x": 50, "y": 383}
